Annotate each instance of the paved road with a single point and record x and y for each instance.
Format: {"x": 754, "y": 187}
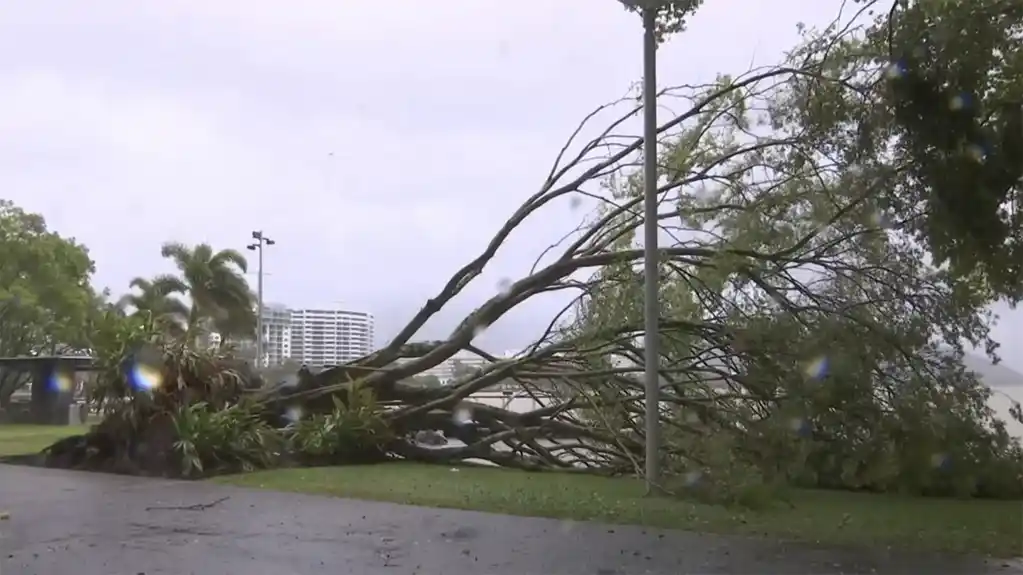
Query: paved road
{"x": 66, "y": 523}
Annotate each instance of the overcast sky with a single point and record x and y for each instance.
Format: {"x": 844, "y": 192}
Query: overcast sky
{"x": 380, "y": 144}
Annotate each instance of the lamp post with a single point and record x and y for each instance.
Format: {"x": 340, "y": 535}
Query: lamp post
{"x": 259, "y": 240}
{"x": 651, "y": 378}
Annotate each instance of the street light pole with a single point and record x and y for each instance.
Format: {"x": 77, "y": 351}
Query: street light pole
{"x": 260, "y": 241}
{"x": 649, "y": 9}
{"x": 651, "y": 265}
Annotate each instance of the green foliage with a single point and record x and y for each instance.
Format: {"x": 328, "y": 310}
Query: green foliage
{"x": 215, "y": 282}
{"x": 671, "y": 14}
{"x": 956, "y": 88}
{"x": 157, "y": 301}
{"x": 45, "y": 296}
{"x": 929, "y": 107}
{"x": 798, "y": 251}
{"x": 114, "y": 340}
{"x": 216, "y": 440}
{"x": 722, "y": 476}
{"x": 354, "y": 431}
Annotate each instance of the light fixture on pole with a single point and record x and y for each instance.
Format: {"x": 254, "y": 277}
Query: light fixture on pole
{"x": 260, "y": 240}
{"x": 651, "y": 378}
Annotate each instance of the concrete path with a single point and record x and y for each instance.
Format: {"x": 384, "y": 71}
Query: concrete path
{"x": 66, "y": 523}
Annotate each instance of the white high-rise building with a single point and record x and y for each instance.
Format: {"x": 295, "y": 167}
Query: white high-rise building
{"x": 315, "y": 337}
{"x": 276, "y": 335}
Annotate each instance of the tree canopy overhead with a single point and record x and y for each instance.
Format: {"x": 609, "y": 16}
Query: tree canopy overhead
{"x": 954, "y": 81}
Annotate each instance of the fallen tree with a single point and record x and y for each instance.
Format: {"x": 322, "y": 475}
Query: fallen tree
{"x": 782, "y": 266}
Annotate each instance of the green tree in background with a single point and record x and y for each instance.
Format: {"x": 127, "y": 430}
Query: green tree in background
{"x": 157, "y": 300}
{"x": 940, "y": 96}
{"x": 214, "y": 282}
{"x": 671, "y": 14}
{"x": 46, "y": 300}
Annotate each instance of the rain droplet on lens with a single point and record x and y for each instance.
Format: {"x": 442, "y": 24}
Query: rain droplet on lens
{"x": 976, "y": 152}
{"x": 799, "y": 426}
{"x": 575, "y": 201}
{"x": 290, "y": 380}
{"x": 880, "y": 220}
{"x": 691, "y": 478}
{"x": 704, "y": 193}
{"x": 145, "y": 377}
{"x": 817, "y": 368}
{"x": 61, "y": 381}
{"x": 293, "y": 413}
{"x": 959, "y": 102}
{"x": 940, "y": 461}
{"x": 504, "y": 286}
{"x": 145, "y": 370}
{"x": 478, "y": 330}
{"x": 462, "y": 415}
{"x": 895, "y": 70}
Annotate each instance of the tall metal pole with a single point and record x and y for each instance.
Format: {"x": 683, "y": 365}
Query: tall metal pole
{"x": 259, "y": 305}
{"x": 260, "y": 241}
{"x": 651, "y": 306}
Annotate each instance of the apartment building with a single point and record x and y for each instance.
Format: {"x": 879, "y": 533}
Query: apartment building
{"x": 315, "y": 337}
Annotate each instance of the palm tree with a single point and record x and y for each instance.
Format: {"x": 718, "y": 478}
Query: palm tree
{"x": 156, "y": 299}
{"x": 214, "y": 281}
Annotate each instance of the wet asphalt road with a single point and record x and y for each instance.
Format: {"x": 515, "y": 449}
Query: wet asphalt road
{"x": 67, "y": 523}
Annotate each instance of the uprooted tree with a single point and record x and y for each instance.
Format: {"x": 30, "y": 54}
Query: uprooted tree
{"x": 806, "y": 336}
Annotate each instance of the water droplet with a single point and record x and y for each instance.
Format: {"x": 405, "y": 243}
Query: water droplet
{"x": 692, "y": 478}
{"x": 575, "y": 201}
{"x": 691, "y": 417}
{"x": 817, "y": 369}
{"x": 567, "y": 526}
{"x": 145, "y": 370}
{"x": 290, "y": 380}
{"x": 959, "y": 102}
{"x": 462, "y": 415}
{"x": 61, "y": 381}
{"x": 704, "y": 193}
{"x": 895, "y": 70}
{"x": 880, "y": 220}
{"x": 976, "y": 152}
{"x": 478, "y": 330}
{"x": 800, "y": 426}
{"x": 940, "y": 461}
{"x": 504, "y": 286}
{"x": 293, "y": 413}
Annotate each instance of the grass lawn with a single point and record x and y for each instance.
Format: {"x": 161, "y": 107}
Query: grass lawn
{"x": 967, "y": 526}
{"x": 28, "y": 439}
